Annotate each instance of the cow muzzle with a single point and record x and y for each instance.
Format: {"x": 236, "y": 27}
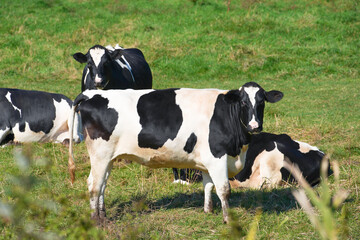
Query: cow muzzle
{"x": 98, "y": 82}
{"x": 254, "y": 127}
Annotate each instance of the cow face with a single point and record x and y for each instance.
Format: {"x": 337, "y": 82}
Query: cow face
{"x": 252, "y": 103}
{"x": 99, "y": 62}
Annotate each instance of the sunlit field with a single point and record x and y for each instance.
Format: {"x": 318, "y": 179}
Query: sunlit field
{"x": 309, "y": 50}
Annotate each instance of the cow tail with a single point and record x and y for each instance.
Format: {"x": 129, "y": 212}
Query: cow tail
{"x": 71, "y": 163}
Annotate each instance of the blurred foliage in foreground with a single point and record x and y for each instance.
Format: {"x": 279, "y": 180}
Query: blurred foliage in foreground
{"x": 41, "y": 215}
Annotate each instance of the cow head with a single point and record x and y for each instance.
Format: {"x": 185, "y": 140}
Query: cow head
{"x": 99, "y": 61}
{"x": 252, "y": 99}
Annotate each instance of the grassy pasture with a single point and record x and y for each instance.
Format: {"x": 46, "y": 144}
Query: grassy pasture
{"x": 308, "y": 49}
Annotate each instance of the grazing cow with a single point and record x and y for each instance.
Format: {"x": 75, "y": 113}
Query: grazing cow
{"x": 205, "y": 129}
{"x": 265, "y": 160}
{"x": 34, "y": 116}
{"x": 114, "y": 68}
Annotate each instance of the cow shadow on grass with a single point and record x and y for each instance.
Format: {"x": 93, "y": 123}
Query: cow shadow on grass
{"x": 272, "y": 201}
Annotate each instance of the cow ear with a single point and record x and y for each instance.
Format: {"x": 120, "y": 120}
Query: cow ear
{"x": 81, "y": 58}
{"x": 232, "y": 96}
{"x": 273, "y": 96}
{"x": 116, "y": 54}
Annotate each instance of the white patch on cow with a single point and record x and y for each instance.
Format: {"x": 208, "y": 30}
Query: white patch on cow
{"x": 96, "y": 55}
{"x": 118, "y": 47}
{"x": 251, "y": 92}
{"x": 253, "y": 123}
{"x": 265, "y": 170}
{"x": 199, "y": 103}
{"x": 60, "y": 130}
{"x": 305, "y": 147}
{"x": 122, "y": 65}
{"x": 181, "y": 182}
{"x": 111, "y": 48}
{"x": 87, "y": 73}
{"x": 90, "y": 181}
{"x": 8, "y": 97}
{"x": 270, "y": 166}
{"x": 28, "y": 135}
{"x": 97, "y": 79}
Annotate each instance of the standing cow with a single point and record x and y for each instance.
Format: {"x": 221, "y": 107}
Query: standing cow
{"x": 34, "y": 116}
{"x": 114, "y": 68}
{"x": 264, "y": 166}
{"x": 205, "y": 129}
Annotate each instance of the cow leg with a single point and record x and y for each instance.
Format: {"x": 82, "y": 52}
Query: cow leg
{"x": 219, "y": 175}
{"x": 176, "y": 175}
{"x": 96, "y": 183}
{"x": 102, "y": 212}
{"x": 208, "y": 186}
{"x": 6, "y": 136}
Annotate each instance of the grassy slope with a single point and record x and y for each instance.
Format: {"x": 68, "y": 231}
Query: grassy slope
{"x": 307, "y": 49}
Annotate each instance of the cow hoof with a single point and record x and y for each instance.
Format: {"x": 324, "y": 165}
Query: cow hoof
{"x": 208, "y": 210}
{"x": 94, "y": 216}
{"x": 66, "y": 142}
{"x": 100, "y": 220}
{"x": 102, "y": 214}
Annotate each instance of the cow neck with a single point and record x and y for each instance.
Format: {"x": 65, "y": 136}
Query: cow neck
{"x": 227, "y": 135}
{"x": 242, "y": 136}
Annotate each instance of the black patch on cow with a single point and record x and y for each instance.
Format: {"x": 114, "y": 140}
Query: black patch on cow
{"x": 227, "y": 134}
{"x": 190, "y": 143}
{"x": 97, "y": 118}
{"x": 8, "y": 138}
{"x": 33, "y": 107}
{"x": 309, "y": 164}
{"x": 160, "y": 118}
{"x": 9, "y": 116}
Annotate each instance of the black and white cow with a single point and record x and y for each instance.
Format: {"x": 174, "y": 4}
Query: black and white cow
{"x": 264, "y": 166}
{"x": 114, "y": 68}
{"x": 34, "y": 116}
{"x": 205, "y": 129}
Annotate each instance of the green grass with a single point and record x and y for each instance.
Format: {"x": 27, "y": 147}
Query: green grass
{"x": 307, "y": 49}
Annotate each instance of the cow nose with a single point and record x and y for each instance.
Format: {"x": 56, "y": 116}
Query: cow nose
{"x": 97, "y": 80}
{"x": 253, "y": 125}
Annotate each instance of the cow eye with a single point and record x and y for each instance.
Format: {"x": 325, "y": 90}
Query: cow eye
{"x": 243, "y": 103}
